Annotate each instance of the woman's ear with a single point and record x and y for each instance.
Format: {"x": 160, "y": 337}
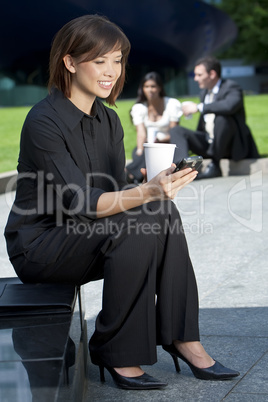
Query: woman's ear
{"x": 69, "y": 63}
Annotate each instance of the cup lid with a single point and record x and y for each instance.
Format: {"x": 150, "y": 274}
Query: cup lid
{"x": 158, "y": 145}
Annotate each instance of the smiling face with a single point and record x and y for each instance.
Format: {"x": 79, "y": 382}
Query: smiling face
{"x": 93, "y": 78}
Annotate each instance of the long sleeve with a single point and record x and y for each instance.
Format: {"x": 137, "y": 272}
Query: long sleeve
{"x": 228, "y": 101}
{"x": 67, "y": 160}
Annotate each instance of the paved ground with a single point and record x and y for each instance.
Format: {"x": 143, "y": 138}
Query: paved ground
{"x": 226, "y": 226}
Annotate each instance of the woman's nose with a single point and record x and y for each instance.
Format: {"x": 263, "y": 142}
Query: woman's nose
{"x": 110, "y": 70}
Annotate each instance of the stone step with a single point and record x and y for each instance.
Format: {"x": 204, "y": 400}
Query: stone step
{"x": 243, "y": 167}
{"x": 229, "y": 168}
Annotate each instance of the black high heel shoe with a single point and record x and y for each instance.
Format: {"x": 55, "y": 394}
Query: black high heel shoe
{"x": 215, "y": 372}
{"x": 144, "y": 381}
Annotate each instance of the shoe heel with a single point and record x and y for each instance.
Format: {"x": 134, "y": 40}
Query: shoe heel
{"x": 101, "y": 369}
{"x": 176, "y": 363}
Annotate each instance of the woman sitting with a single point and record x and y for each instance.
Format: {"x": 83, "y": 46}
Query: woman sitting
{"x": 153, "y": 115}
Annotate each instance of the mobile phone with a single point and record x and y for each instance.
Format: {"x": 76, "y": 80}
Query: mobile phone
{"x": 193, "y": 162}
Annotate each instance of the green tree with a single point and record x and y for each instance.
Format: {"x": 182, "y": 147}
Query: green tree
{"x": 251, "y": 18}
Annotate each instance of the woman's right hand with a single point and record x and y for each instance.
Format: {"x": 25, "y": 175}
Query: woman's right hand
{"x": 166, "y": 184}
{"x": 139, "y": 151}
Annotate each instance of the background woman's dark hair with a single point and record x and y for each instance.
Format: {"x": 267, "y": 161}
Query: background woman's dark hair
{"x": 141, "y": 98}
{"x": 86, "y": 38}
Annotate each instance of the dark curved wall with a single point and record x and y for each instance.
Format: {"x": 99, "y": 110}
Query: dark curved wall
{"x": 164, "y": 34}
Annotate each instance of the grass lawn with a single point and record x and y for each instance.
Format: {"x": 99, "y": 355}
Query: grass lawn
{"x": 11, "y": 121}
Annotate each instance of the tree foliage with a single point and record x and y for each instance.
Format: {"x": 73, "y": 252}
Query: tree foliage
{"x": 251, "y": 18}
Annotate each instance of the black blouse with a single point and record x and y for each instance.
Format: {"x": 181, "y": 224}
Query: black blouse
{"x": 67, "y": 160}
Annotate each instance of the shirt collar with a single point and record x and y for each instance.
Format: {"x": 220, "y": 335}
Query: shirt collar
{"x": 216, "y": 87}
{"x": 68, "y": 111}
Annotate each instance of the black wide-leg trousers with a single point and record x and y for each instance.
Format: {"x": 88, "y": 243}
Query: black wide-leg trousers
{"x": 149, "y": 292}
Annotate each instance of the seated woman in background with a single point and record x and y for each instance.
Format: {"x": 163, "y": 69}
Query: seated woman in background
{"x": 153, "y": 114}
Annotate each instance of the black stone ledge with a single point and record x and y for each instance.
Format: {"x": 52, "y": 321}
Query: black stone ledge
{"x": 44, "y": 357}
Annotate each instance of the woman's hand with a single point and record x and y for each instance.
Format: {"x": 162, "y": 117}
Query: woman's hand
{"x": 166, "y": 184}
{"x": 162, "y": 187}
{"x": 139, "y": 151}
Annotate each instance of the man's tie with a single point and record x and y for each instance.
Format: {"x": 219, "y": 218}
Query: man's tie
{"x": 209, "y": 119}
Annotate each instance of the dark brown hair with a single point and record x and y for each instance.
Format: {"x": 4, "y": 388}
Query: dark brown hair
{"x": 86, "y": 38}
{"x": 210, "y": 63}
{"x": 141, "y": 98}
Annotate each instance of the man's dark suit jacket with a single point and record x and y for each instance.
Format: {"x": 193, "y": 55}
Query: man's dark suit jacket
{"x": 229, "y": 101}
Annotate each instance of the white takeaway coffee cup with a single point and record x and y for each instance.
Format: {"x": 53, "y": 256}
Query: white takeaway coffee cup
{"x": 158, "y": 157}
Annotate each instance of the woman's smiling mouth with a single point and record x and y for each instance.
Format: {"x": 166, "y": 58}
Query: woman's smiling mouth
{"x": 105, "y": 84}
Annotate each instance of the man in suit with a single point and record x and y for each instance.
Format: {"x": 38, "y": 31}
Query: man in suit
{"x": 222, "y": 131}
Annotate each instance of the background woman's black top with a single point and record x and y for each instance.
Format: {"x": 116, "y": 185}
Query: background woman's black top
{"x": 67, "y": 160}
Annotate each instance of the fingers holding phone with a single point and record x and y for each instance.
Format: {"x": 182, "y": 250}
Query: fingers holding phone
{"x": 189, "y": 166}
